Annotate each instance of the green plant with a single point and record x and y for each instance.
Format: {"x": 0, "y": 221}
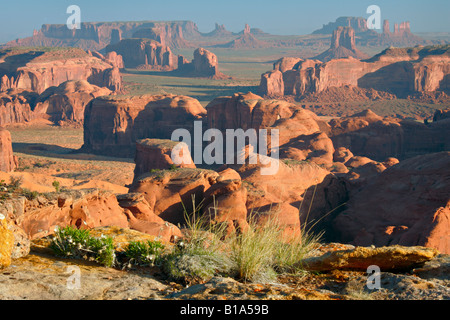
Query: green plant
{"x": 201, "y": 254}
{"x": 74, "y": 243}
{"x": 15, "y": 183}
{"x": 290, "y": 252}
{"x": 253, "y": 251}
{"x": 145, "y": 253}
{"x": 56, "y": 185}
{"x": 30, "y": 195}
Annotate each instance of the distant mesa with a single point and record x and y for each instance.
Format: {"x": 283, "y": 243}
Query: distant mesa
{"x": 342, "y": 46}
{"x": 97, "y": 35}
{"x": 401, "y": 35}
{"x": 358, "y": 24}
{"x": 219, "y": 31}
{"x": 245, "y": 41}
{"x": 143, "y": 53}
{"x": 204, "y": 65}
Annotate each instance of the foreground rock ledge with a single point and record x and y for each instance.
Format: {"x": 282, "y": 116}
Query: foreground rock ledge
{"x": 387, "y": 258}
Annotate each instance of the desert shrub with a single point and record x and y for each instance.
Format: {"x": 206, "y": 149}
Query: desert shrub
{"x": 144, "y": 253}
{"x": 15, "y": 183}
{"x": 290, "y": 252}
{"x": 201, "y": 254}
{"x": 30, "y": 195}
{"x": 56, "y": 185}
{"x": 74, "y": 243}
{"x": 253, "y": 251}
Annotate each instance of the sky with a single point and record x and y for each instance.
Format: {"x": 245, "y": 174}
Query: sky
{"x": 18, "y": 18}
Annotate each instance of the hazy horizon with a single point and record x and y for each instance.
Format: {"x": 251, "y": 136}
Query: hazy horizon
{"x": 282, "y": 18}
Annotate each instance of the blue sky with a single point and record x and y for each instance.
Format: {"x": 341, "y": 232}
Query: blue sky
{"x": 18, "y": 18}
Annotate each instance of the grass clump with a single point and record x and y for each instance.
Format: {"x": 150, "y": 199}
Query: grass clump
{"x": 200, "y": 255}
{"x": 79, "y": 244}
{"x": 146, "y": 254}
{"x": 253, "y": 252}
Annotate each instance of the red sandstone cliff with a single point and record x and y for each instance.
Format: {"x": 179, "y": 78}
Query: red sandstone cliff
{"x": 112, "y": 125}
{"x": 204, "y": 65}
{"x": 37, "y": 70}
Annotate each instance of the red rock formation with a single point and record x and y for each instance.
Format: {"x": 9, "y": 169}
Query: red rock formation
{"x": 342, "y": 46}
{"x": 245, "y": 41}
{"x": 401, "y": 36}
{"x": 219, "y": 32}
{"x": 408, "y": 204}
{"x": 272, "y": 84}
{"x": 113, "y": 124}
{"x": 169, "y": 192}
{"x": 156, "y": 154}
{"x": 66, "y": 103}
{"x": 286, "y": 63}
{"x": 296, "y": 194}
{"x": 244, "y": 111}
{"x": 16, "y": 106}
{"x": 204, "y": 65}
{"x": 170, "y": 34}
{"x": 144, "y": 53}
{"x": 85, "y": 210}
{"x": 226, "y": 200}
{"x": 37, "y": 70}
{"x": 115, "y": 59}
{"x": 397, "y": 71}
{"x": 367, "y": 134}
{"x": 7, "y": 160}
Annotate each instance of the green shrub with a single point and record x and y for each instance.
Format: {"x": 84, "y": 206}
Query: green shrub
{"x": 145, "y": 253}
{"x": 56, "y": 185}
{"x": 201, "y": 255}
{"x": 253, "y": 251}
{"x": 74, "y": 243}
{"x": 291, "y": 252}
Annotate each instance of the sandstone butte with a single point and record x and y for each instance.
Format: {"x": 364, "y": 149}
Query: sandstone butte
{"x": 38, "y": 69}
{"x": 144, "y": 54}
{"x": 113, "y": 124}
{"x": 204, "y": 65}
{"x": 400, "y": 71}
{"x": 245, "y": 41}
{"x": 343, "y": 45}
